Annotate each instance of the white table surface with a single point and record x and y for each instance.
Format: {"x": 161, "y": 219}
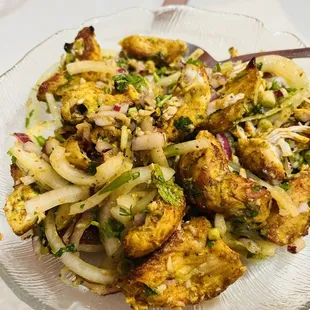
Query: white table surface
{"x": 25, "y": 23}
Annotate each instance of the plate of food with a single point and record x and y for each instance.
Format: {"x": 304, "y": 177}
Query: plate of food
{"x": 143, "y": 178}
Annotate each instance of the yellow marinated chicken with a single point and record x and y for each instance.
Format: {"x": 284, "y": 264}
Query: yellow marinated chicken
{"x": 188, "y": 269}
{"x": 247, "y": 82}
{"x": 15, "y": 209}
{"x": 161, "y": 222}
{"x": 193, "y": 87}
{"x": 259, "y": 157}
{"x": 210, "y": 185}
{"x": 77, "y": 103}
{"x": 110, "y": 133}
{"x": 157, "y": 49}
{"x": 85, "y": 47}
{"x": 284, "y": 230}
{"x": 74, "y": 154}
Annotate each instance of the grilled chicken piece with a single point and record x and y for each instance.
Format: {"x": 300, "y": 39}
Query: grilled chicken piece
{"x": 302, "y": 115}
{"x": 85, "y": 47}
{"x": 247, "y": 82}
{"x": 258, "y": 156}
{"x": 162, "y": 221}
{"x": 16, "y": 174}
{"x": 79, "y": 102}
{"x": 194, "y": 86}
{"x": 74, "y": 154}
{"x": 210, "y": 185}
{"x": 285, "y": 229}
{"x": 15, "y": 209}
{"x": 184, "y": 271}
{"x": 158, "y": 49}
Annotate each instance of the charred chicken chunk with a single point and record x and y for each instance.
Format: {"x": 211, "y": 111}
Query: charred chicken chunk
{"x": 210, "y": 184}
{"x": 158, "y": 49}
{"x": 258, "y": 156}
{"x": 247, "y": 82}
{"x": 161, "y": 222}
{"x": 285, "y": 229}
{"x": 185, "y": 271}
{"x": 194, "y": 87}
{"x": 15, "y": 210}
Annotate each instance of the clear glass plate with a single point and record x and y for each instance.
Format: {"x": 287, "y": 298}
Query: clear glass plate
{"x": 281, "y": 282}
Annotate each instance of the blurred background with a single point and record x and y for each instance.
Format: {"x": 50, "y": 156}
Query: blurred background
{"x": 26, "y": 23}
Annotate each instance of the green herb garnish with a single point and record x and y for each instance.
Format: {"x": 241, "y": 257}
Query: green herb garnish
{"x": 217, "y": 68}
{"x": 168, "y": 190}
{"x": 195, "y": 62}
{"x": 60, "y": 137}
{"x": 160, "y": 100}
{"x": 92, "y": 167}
{"x": 284, "y": 185}
{"x": 82, "y": 206}
{"x": 291, "y": 89}
{"x": 13, "y": 158}
{"x": 125, "y": 212}
{"x": 119, "y": 181}
{"x": 122, "y": 81}
{"x": 191, "y": 188}
{"x": 256, "y": 188}
{"x": 182, "y": 123}
{"x": 275, "y": 85}
{"x": 41, "y": 140}
{"x": 240, "y": 75}
{"x": 210, "y": 243}
{"x": 113, "y": 228}
{"x": 259, "y": 66}
{"x": 28, "y": 118}
{"x": 149, "y": 291}
{"x": 69, "y": 248}
{"x": 68, "y": 76}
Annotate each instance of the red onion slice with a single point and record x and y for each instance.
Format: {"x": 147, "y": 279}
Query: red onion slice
{"x": 116, "y": 108}
{"x": 122, "y": 71}
{"x": 22, "y": 137}
{"x": 225, "y": 144}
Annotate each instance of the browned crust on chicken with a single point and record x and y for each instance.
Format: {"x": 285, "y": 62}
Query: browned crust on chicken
{"x": 162, "y": 221}
{"x": 285, "y": 229}
{"x": 190, "y": 270}
{"x": 258, "y": 156}
{"x": 157, "y": 49}
{"x": 16, "y": 174}
{"x": 222, "y": 191}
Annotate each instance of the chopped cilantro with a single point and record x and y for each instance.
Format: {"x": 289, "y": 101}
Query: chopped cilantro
{"x": 146, "y": 211}
{"x": 290, "y": 89}
{"x": 68, "y": 76}
{"x": 13, "y": 158}
{"x": 121, "y": 81}
{"x": 217, "y": 68}
{"x": 252, "y": 213}
{"x": 156, "y": 77}
{"x": 168, "y": 190}
{"x": 161, "y": 71}
{"x": 182, "y": 123}
{"x": 284, "y": 185}
{"x": 92, "y": 168}
{"x": 160, "y": 100}
{"x": 113, "y": 228}
{"x": 119, "y": 181}
{"x": 60, "y": 137}
{"x": 191, "y": 188}
{"x": 28, "y": 118}
{"x": 258, "y": 109}
{"x": 122, "y": 63}
{"x": 260, "y": 66}
{"x": 22, "y": 197}
{"x": 307, "y": 157}
{"x": 199, "y": 116}
{"x": 125, "y": 212}
{"x": 256, "y": 188}
{"x": 240, "y": 75}
{"x": 196, "y": 62}
{"x": 41, "y": 140}
{"x": 82, "y": 206}
{"x": 149, "y": 291}
{"x": 275, "y": 85}
{"x": 69, "y": 248}
{"x": 210, "y": 243}
{"x": 235, "y": 172}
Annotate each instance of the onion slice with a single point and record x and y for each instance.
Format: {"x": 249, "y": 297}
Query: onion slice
{"x": 74, "y": 263}
{"x": 54, "y": 110}
{"x": 37, "y": 167}
{"x": 105, "y": 171}
{"x": 56, "y": 197}
{"x": 148, "y": 142}
{"x": 186, "y": 147}
{"x": 89, "y": 65}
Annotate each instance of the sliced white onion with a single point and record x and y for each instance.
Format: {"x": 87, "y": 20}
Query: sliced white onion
{"x": 56, "y": 197}
{"x": 37, "y": 167}
{"x": 285, "y": 148}
{"x": 297, "y": 246}
{"x": 104, "y": 172}
{"x": 169, "y": 80}
{"x": 159, "y": 157}
{"x": 186, "y": 147}
{"x": 50, "y": 145}
{"x": 250, "y": 245}
{"x": 91, "y": 248}
{"x": 102, "y": 145}
{"x": 124, "y": 138}
{"x": 144, "y": 202}
{"x": 147, "y": 124}
{"x": 27, "y": 179}
{"x": 148, "y": 142}
{"x": 36, "y": 245}
{"x": 303, "y": 207}
{"x": 105, "y": 115}
{"x": 53, "y": 108}
{"x": 74, "y": 263}
{"x": 116, "y": 213}
{"x": 220, "y": 224}
{"x": 32, "y": 148}
{"x": 124, "y": 107}
{"x": 89, "y": 65}
{"x": 285, "y": 68}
